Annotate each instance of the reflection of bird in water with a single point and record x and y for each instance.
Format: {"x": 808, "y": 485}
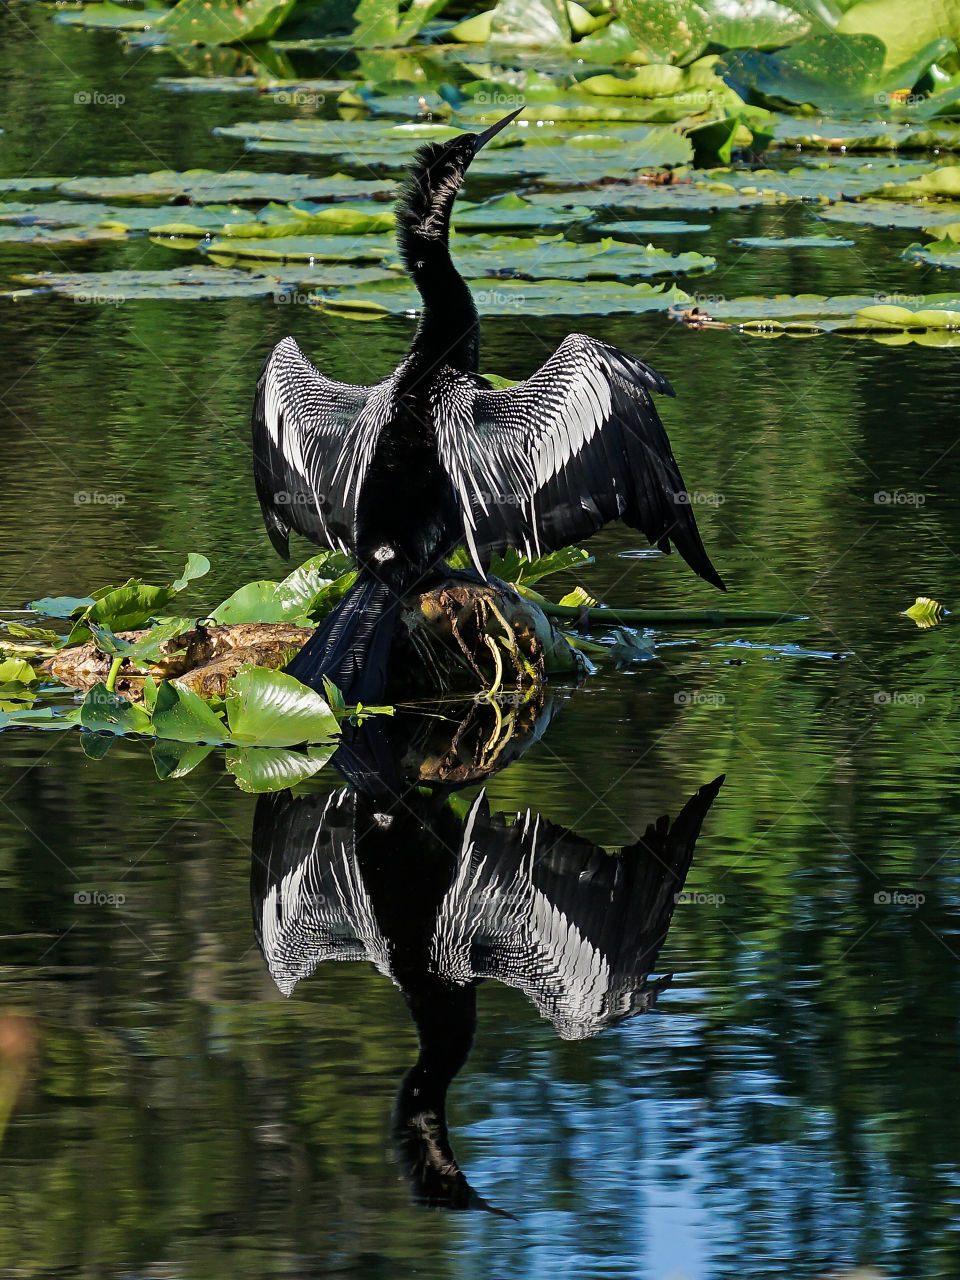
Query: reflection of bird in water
{"x": 439, "y": 894}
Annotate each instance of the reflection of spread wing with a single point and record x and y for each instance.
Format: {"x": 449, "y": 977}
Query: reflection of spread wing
{"x": 573, "y": 927}
{"x": 309, "y": 899}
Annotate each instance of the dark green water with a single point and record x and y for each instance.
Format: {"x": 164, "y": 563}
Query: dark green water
{"x": 789, "y": 1107}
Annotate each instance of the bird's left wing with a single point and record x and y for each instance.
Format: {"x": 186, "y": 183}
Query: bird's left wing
{"x": 578, "y": 444}
{"x": 313, "y": 439}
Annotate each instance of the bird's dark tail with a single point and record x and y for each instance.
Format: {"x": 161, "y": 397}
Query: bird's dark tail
{"x": 352, "y": 647}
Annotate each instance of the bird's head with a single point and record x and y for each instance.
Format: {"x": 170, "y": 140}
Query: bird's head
{"x": 433, "y": 180}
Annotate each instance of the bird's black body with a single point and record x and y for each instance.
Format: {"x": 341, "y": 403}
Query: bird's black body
{"x": 400, "y": 473}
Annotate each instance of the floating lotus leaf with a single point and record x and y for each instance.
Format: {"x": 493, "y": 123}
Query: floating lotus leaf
{"x": 674, "y": 30}
{"x": 903, "y": 29}
{"x": 681, "y": 196}
{"x": 222, "y": 21}
{"x": 308, "y": 249}
{"x": 512, "y": 212}
{"x": 645, "y": 227}
{"x": 833, "y": 70}
{"x": 846, "y": 313}
{"x": 113, "y": 17}
{"x": 572, "y": 155}
{"x": 851, "y": 135}
{"x": 941, "y": 253}
{"x": 553, "y": 258}
{"x": 791, "y": 242}
{"x": 514, "y": 298}
{"x": 887, "y": 213}
{"x": 193, "y": 283}
{"x": 939, "y": 184}
{"x": 206, "y": 186}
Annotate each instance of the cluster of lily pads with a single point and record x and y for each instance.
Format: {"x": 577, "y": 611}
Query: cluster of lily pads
{"x": 274, "y": 730}
{"x": 640, "y": 117}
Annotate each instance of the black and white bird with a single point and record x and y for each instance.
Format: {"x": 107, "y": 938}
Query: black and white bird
{"x": 523, "y": 901}
{"x": 400, "y": 473}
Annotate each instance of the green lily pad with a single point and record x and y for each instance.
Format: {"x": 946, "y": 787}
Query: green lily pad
{"x": 571, "y": 155}
{"x": 792, "y": 242}
{"x": 941, "y": 253}
{"x": 294, "y": 598}
{"x": 526, "y": 298}
{"x": 207, "y": 186}
{"x": 272, "y": 709}
{"x": 857, "y": 136}
{"x": 222, "y": 21}
{"x": 113, "y": 17}
{"x": 903, "y": 28}
{"x": 644, "y": 227}
{"x": 196, "y": 283}
{"x": 106, "y": 712}
{"x": 844, "y": 313}
{"x": 513, "y": 213}
{"x": 182, "y": 715}
{"x": 939, "y": 184}
{"x": 306, "y": 249}
{"x": 887, "y": 213}
{"x": 554, "y": 258}
{"x": 832, "y": 70}
{"x": 676, "y": 30}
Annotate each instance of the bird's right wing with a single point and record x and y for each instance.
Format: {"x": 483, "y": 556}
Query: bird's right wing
{"x": 543, "y": 464}
{"x": 313, "y": 439}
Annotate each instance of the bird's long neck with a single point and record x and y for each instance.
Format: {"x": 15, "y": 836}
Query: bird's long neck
{"x": 449, "y": 331}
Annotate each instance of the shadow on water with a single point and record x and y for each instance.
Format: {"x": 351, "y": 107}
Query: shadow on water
{"x": 440, "y": 895}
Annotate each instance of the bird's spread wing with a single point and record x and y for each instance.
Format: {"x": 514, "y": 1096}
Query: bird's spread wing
{"x": 312, "y": 443}
{"x": 552, "y": 460}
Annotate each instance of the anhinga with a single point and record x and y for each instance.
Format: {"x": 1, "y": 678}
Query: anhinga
{"x": 400, "y": 473}
{"x": 524, "y": 902}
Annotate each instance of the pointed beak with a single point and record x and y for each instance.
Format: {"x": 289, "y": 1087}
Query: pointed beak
{"x": 482, "y": 139}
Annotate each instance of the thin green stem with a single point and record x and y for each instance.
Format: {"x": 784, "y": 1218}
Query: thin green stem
{"x": 112, "y": 674}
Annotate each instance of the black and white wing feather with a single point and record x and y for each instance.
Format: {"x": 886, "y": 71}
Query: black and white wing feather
{"x": 576, "y": 929}
{"x": 552, "y": 460}
{"x": 313, "y": 439}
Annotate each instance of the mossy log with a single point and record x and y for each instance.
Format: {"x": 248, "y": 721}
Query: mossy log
{"x": 458, "y": 637}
